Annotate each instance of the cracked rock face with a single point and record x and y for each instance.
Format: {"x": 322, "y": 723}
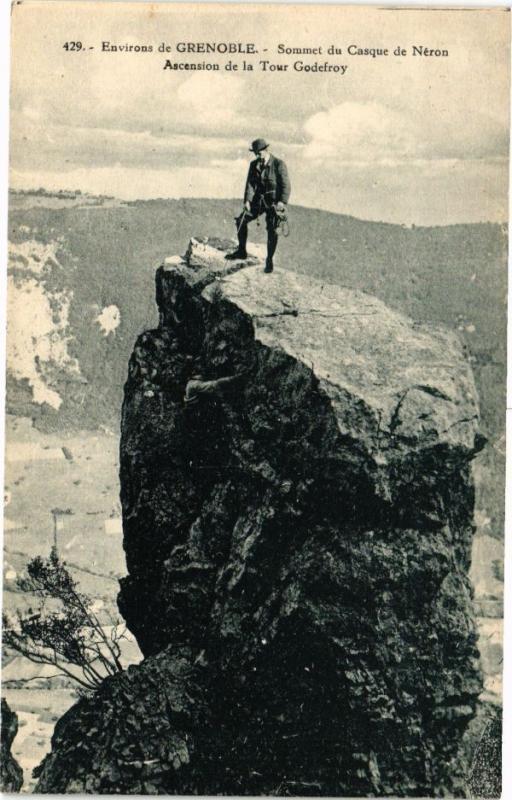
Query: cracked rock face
{"x": 301, "y": 535}
{"x": 11, "y": 774}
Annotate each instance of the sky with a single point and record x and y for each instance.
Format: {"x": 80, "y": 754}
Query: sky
{"x": 406, "y": 139}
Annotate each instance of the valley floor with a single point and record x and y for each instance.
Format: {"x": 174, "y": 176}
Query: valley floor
{"x": 78, "y": 475}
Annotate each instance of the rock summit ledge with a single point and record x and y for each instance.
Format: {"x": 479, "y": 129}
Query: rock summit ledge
{"x": 298, "y": 517}
{"x": 388, "y": 379}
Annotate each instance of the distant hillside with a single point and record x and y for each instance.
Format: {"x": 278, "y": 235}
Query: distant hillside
{"x": 42, "y": 198}
{"x": 81, "y": 287}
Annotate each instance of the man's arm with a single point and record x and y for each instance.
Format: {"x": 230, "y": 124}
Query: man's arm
{"x": 283, "y": 183}
{"x": 196, "y": 388}
{"x": 249, "y": 185}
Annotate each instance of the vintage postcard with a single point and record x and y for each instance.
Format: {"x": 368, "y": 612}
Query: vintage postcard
{"x": 255, "y": 401}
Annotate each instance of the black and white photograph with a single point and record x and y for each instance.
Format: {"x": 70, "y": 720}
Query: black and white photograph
{"x": 255, "y": 400}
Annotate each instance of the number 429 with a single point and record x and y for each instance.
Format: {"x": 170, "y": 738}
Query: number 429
{"x": 72, "y": 45}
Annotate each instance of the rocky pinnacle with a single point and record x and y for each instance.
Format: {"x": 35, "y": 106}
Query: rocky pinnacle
{"x": 298, "y": 518}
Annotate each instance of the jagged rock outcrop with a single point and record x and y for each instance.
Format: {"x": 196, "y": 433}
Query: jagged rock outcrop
{"x": 11, "y": 774}
{"x": 299, "y": 537}
{"x": 140, "y": 728}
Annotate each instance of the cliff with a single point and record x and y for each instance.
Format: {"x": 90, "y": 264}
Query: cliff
{"x": 297, "y": 510}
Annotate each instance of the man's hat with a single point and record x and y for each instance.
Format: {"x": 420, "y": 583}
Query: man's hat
{"x": 258, "y": 144}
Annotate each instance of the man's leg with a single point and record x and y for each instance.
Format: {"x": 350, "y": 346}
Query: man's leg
{"x": 242, "y": 231}
{"x": 272, "y": 237}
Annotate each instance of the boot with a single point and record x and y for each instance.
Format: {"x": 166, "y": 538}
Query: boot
{"x": 236, "y": 254}
{"x": 240, "y": 252}
{"x": 271, "y": 249}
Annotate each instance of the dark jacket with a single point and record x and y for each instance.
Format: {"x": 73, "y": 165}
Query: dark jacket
{"x": 273, "y": 182}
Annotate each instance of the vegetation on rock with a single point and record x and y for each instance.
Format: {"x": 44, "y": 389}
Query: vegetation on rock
{"x": 63, "y": 629}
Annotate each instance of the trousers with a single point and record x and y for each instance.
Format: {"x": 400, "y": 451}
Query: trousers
{"x": 242, "y": 223}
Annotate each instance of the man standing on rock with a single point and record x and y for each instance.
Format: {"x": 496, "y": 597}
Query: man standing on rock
{"x": 267, "y": 191}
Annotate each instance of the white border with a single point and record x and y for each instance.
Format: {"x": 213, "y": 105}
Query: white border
{"x": 4, "y": 128}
